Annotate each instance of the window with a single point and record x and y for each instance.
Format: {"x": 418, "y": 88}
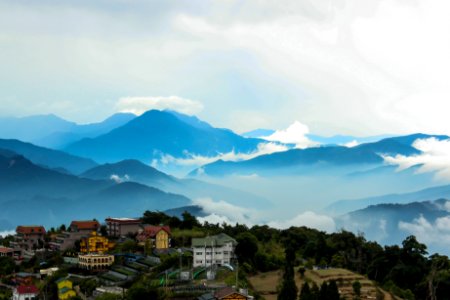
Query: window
{"x": 225, "y": 252}
{"x": 208, "y": 261}
{"x": 208, "y": 253}
{"x": 199, "y": 261}
{"x": 198, "y": 253}
{"x": 217, "y": 252}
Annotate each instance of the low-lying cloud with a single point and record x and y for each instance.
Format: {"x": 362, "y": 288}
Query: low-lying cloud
{"x": 309, "y": 219}
{"x": 139, "y": 105}
{"x": 435, "y": 157}
{"x": 199, "y": 160}
{"x": 435, "y": 233}
{"x": 224, "y": 212}
{"x": 296, "y": 134}
{"x": 119, "y": 179}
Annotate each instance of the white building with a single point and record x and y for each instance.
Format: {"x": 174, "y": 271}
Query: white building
{"x": 213, "y": 250}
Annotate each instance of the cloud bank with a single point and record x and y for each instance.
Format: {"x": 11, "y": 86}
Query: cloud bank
{"x": 198, "y": 160}
{"x": 435, "y": 233}
{"x": 435, "y": 157}
{"x": 224, "y": 212}
{"x": 295, "y": 134}
{"x": 139, "y": 105}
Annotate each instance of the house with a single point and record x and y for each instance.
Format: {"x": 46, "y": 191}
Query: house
{"x": 25, "y": 292}
{"x": 95, "y": 244}
{"x": 213, "y": 250}
{"x": 226, "y": 293}
{"x": 65, "y": 289}
{"x": 84, "y": 226}
{"x": 158, "y": 235}
{"x": 120, "y": 227}
{"x": 76, "y": 231}
{"x": 10, "y": 252}
{"x": 96, "y": 262}
{"x": 28, "y": 238}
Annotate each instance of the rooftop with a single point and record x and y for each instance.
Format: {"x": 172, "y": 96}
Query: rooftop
{"x": 214, "y": 240}
{"x": 90, "y": 224}
{"x": 27, "y": 289}
{"x": 30, "y": 229}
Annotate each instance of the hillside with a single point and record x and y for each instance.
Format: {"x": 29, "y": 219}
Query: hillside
{"x": 319, "y": 158}
{"x": 48, "y": 157}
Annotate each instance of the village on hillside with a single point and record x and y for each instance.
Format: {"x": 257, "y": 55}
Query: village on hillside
{"x": 162, "y": 257}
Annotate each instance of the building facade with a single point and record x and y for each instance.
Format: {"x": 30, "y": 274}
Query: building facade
{"x": 65, "y": 289}
{"x": 158, "y": 235}
{"x": 29, "y": 237}
{"x": 95, "y": 261}
{"x": 213, "y": 250}
{"x": 95, "y": 244}
{"x": 76, "y": 231}
{"x": 120, "y": 227}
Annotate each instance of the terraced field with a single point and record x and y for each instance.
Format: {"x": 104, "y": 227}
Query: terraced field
{"x": 266, "y": 283}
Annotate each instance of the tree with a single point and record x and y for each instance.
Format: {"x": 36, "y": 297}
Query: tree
{"x": 439, "y": 273}
{"x": 288, "y": 289}
{"x": 246, "y": 248}
{"x": 323, "y": 293}
{"x": 189, "y": 221}
{"x": 332, "y": 291}
{"x": 306, "y": 293}
{"x": 356, "y": 285}
{"x": 7, "y": 265}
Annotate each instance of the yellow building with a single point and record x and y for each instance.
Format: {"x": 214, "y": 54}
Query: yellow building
{"x": 95, "y": 261}
{"x": 95, "y": 244}
{"x": 65, "y": 289}
{"x": 159, "y": 236}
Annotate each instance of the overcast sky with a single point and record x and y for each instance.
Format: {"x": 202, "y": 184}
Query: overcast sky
{"x": 338, "y": 66}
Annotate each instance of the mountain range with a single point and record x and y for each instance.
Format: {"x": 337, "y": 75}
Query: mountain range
{"x": 156, "y": 134}
{"x": 53, "y": 170}
{"x": 49, "y": 197}
{"x": 54, "y": 132}
{"x": 315, "y": 159}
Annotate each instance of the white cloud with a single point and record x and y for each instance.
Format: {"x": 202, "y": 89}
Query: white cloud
{"x": 294, "y": 134}
{"x": 119, "y": 179}
{"x": 7, "y": 232}
{"x": 435, "y": 233}
{"x": 352, "y": 144}
{"x": 309, "y": 219}
{"x": 435, "y": 157}
{"x": 139, "y": 105}
{"x": 198, "y": 160}
{"x": 222, "y": 211}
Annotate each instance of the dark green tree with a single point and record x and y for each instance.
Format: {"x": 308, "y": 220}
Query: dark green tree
{"x": 356, "y": 285}
{"x": 288, "y": 289}
{"x": 246, "y": 248}
{"x": 332, "y": 291}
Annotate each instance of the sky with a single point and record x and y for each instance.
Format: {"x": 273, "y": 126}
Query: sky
{"x": 337, "y": 66}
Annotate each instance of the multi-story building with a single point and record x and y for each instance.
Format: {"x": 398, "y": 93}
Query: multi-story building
{"x": 95, "y": 261}
{"x": 120, "y": 227}
{"x": 158, "y": 235}
{"x": 29, "y": 237}
{"x": 213, "y": 250}
{"x": 95, "y": 244}
{"x": 10, "y": 252}
{"x": 76, "y": 231}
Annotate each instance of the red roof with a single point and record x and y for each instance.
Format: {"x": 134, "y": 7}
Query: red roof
{"x": 27, "y": 289}
{"x": 151, "y": 230}
{"x": 30, "y": 229}
{"x": 85, "y": 225}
